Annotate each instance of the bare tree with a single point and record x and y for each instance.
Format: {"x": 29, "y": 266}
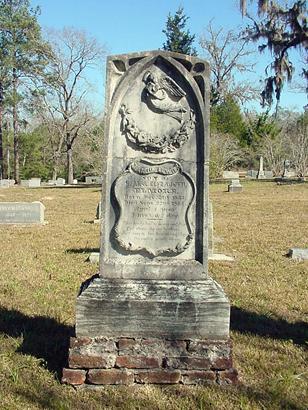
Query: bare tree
{"x": 274, "y": 151}
{"x": 65, "y": 101}
{"x": 297, "y": 140}
{"x": 227, "y": 55}
{"x": 225, "y": 152}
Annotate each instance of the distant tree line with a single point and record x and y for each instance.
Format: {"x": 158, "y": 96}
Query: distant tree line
{"x": 48, "y": 124}
{"x": 44, "y": 109}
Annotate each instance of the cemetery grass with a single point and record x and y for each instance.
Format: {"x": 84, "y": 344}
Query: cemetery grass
{"x": 42, "y": 268}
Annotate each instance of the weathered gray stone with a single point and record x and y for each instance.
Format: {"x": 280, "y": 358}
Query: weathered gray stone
{"x": 268, "y": 174}
{"x": 153, "y": 280}
{"x": 34, "y": 182}
{"x": 21, "y": 213}
{"x": 5, "y": 183}
{"x": 24, "y": 183}
{"x": 60, "y": 181}
{"x": 93, "y": 180}
{"x": 230, "y": 175}
{"x": 155, "y": 193}
{"x": 251, "y": 173}
{"x": 261, "y": 174}
{"x": 298, "y": 253}
{"x": 151, "y": 308}
{"x": 94, "y": 257}
{"x": 220, "y": 257}
{"x": 235, "y": 186}
{"x": 51, "y": 182}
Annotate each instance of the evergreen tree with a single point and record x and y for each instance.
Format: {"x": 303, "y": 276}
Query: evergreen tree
{"x": 226, "y": 118}
{"x": 25, "y": 57}
{"x": 178, "y": 39}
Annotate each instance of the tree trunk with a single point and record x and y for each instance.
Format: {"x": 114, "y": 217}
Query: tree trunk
{"x": 15, "y": 129}
{"x": 70, "y": 166}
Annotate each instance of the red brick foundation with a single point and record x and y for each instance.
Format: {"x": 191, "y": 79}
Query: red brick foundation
{"x": 114, "y": 361}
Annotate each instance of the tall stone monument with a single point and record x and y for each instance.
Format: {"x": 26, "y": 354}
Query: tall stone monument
{"x": 261, "y": 174}
{"x": 152, "y": 314}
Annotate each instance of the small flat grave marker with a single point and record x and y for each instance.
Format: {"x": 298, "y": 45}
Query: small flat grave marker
{"x": 21, "y": 213}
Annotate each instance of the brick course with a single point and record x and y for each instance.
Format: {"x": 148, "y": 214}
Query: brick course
{"x": 115, "y": 361}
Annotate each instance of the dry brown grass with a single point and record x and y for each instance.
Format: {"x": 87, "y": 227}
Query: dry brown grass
{"x": 42, "y": 268}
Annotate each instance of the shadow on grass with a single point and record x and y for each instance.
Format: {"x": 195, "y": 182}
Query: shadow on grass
{"x": 43, "y": 337}
{"x": 82, "y": 250}
{"x": 250, "y": 322}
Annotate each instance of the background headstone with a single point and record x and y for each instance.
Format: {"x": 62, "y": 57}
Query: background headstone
{"x": 93, "y": 180}
{"x": 98, "y": 216}
{"x": 230, "y": 175}
{"x": 21, "y": 213}
{"x": 60, "y": 181}
{"x": 34, "y": 182}
{"x": 235, "y": 186}
{"x": 251, "y": 173}
{"x": 261, "y": 170}
{"x": 298, "y": 254}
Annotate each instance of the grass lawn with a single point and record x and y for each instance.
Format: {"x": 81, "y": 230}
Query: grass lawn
{"x": 42, "y": 268}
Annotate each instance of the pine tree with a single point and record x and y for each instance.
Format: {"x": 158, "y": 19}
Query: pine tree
{"x": 178, "y": 39}
{"x": 25, "y": 56}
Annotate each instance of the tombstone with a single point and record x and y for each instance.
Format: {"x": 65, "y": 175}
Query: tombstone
{"x": 4, "y": 183}
{"x": 261, "y": 174}
{"x": 287, "y": 172}
{"x": 235, "y": 186}
{"x": 34, "y": 182}
{"x": 21, "y": 213}
{"x": 24, "y": 183}
{"x": 60, "y": 181}
{"x": 153, "y": 292}
{"x": 51, "y": 182}
{"x": 93, "y": 180}
{"x": 98, "y": 217}
{"x": 251, "y": 173}
{"x": 75, "y": 182}
{"x": 230, "y": 175}
{"x": 298, "y": 254}
{"x": 268, "y": 174}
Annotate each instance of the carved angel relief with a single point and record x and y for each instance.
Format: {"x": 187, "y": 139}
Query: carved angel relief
{"x": 164, "y": 96}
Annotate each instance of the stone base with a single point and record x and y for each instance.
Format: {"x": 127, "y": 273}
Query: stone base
{"x": 173, "y": 309}
{"x": 235, "y": 188}
{"x": 95, "y": 362}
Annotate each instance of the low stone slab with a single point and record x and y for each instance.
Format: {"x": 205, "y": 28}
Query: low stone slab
{"x": 93, "y": 180}
{"x": 6, "y": 183}
{"x": 94, "y": 257}
{"x": 152, "y": 308}
{"x": 220, "y": 257}
{"x": 21, "y": 213}
{"x": 230, "y": 174}
{"x": 298, "y": 253}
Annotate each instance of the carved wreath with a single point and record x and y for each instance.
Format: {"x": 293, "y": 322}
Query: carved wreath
{"x": 154, "y": 143}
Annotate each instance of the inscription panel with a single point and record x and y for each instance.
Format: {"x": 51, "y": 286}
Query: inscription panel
{"x": 154, "y": 200}
{"x": 21, "y": 212}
